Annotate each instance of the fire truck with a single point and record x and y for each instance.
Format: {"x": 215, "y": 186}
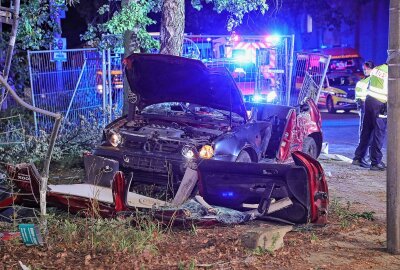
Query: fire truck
{"x": 260, "y": 65}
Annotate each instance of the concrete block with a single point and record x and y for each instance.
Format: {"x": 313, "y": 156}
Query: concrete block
{"x": 268, "y": 237}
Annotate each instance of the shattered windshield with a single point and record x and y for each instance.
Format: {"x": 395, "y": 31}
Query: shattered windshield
{"x": 182, "y": 108}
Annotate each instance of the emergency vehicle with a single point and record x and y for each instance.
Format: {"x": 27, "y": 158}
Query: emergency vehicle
{"x": 344, "y": 71}
{"x": 252, "y": 61}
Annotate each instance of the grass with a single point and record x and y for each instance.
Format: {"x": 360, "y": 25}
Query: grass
{"x": 132, "y": 234}
{"x": 345, "y": 215}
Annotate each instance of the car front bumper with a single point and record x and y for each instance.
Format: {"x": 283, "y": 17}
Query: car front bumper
{"x": 150, "y": 167}
{"x": 344, "y": 103}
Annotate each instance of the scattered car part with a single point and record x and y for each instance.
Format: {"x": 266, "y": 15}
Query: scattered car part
{"x": 237, "y": 185}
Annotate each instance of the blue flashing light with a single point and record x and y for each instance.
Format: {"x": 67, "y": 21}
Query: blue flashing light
{"x": 227, "y": 194}
{"x": 271, "y": 96}
{"x": 274, "y": 39}
{"x": 258, "y": 98}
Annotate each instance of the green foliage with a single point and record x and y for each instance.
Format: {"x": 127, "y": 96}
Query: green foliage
{"x": 236, "y": 8}
{"x": 72, "y": 142}
{"x": 132, "y": 17}
{"x": 35, "y": 32}
{"x": 36, "y": 27}
{"x": 346, "y": 216}
{"x": 132, "y": 234}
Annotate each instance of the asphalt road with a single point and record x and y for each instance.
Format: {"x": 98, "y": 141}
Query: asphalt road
{"x": 340, "y": 130}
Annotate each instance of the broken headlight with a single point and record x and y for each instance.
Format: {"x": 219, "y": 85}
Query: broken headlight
{"x": 114, "y": 139}
{"x": 189, "y": 152}
{"x": 206, "y": 152}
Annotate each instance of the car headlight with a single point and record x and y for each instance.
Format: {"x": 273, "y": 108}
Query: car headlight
{"x": 206, "y": 152}
{"x": 189, "y": 152}
{"x": 114, "y": 139}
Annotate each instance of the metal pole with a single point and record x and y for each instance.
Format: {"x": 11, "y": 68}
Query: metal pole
{"x": 393, "y": 143}
{"x": 104, "y": 85}
{"x": 110, "y": 90}
{"x": 14, "y": 8}
{"x": 32, "y": 93}
{"x": 290, "y": 73}
{"x": 76, "y": 88}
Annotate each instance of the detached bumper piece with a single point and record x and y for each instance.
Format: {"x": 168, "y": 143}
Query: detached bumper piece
{"x": 88, "y": 199}
{"x": 243, "y": 186}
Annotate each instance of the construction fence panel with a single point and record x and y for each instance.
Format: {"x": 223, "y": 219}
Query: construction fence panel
{"x": 308, "y": 76}
{"x": 67, "y": 82}
{"x": 260, "y": 65}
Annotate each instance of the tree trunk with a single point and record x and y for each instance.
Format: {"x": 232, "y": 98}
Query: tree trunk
{"x": 172, "y": 27}
{"x": 130, "y": 46}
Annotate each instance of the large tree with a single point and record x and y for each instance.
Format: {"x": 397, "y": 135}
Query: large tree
{"x": 132, "y": 20}
{"x": 173, "y": 19}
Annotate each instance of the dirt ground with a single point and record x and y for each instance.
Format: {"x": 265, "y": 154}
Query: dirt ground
{"x": 350, "y": 241}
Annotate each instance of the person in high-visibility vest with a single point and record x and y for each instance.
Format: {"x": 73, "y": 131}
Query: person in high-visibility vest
{"x": 361, "y": 94}
{"x": 374, "y": 123}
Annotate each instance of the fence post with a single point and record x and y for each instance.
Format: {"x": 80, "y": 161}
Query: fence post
{"x": 32, "y": 93}
{"x": 104, "y": 85}
{"x": 76, "y": 88}
{"x": 290, "y": 73}
{"x": 110, "y": 89}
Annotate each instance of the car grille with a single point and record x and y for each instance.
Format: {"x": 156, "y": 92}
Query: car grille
{"x": 148, "y": 164}
{"x": 153, "y": 146}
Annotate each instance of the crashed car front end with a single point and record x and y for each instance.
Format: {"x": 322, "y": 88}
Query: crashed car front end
{"x": 187, "y": 112}
{"x": 157, "y": 147}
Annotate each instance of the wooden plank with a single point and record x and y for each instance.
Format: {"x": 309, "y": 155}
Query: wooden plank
{"x": 274, "y": 206}
{"x": 189, "y": 181}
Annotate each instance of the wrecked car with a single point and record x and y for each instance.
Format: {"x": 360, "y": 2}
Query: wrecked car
{"x": 180, "y": 111}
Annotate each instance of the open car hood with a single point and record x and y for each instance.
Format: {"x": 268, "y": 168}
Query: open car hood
{"x": 157, "y": 78}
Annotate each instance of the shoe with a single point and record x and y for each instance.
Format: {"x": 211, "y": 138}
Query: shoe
{"x": 378, "y": 167}
{"x": 360, "y": 163}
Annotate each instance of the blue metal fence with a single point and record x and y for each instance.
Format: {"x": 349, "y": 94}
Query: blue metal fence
{"x": 76, "y": 83}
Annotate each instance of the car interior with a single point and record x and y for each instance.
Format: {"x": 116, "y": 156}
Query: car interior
{"x": 277, "y": 116}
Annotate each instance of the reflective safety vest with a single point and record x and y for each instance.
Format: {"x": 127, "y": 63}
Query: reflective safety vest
{"x": 378, "y": 83}
{"x": 362, "y": 88}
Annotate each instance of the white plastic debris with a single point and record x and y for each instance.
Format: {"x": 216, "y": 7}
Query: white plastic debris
{"x": 325, "y": 148}
{"x": 23, "y": 266}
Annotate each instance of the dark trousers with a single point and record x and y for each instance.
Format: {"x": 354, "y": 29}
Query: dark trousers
{"x": 361, "y": 105}
{"x": 374, "y": 129}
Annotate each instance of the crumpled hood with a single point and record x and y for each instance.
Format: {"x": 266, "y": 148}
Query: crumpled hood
{"x": 157, "y": 78}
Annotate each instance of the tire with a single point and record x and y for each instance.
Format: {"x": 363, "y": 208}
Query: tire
{"x": 244, "y": 156}
{"x": 310, "y": 147}
{"x": 329, "y": 105}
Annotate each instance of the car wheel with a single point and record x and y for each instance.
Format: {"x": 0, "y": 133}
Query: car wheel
{"x": 310, "y": 147}
{"x": 329, "y": 105}
{"x": 244, "y": 156}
